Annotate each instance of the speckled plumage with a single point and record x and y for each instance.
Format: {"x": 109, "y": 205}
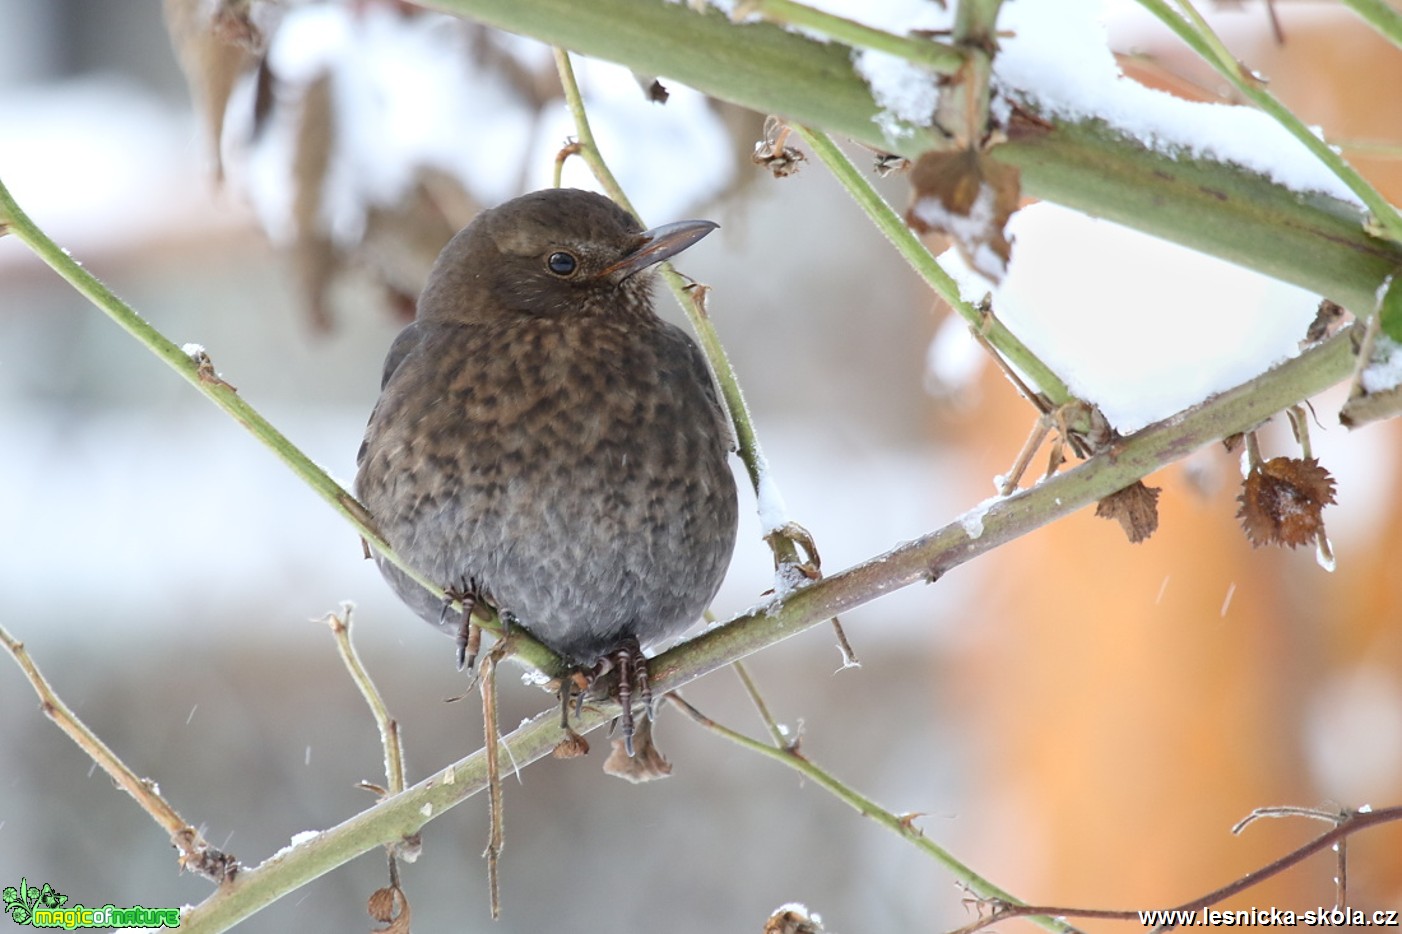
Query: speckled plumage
{"x": 547, "y": 439}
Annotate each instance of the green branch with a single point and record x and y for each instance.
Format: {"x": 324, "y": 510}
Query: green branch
{"x": 693, "y": 305}
{"x": 921, "y": 561}
{"x": 923, "y": 262}
{"x": 937, "y": 56}
{"x": 1315, "y": 242}
{"x": 1193, "y": 29}
{"x": 901, "y": 825}
{"x": 1384, "y": 19}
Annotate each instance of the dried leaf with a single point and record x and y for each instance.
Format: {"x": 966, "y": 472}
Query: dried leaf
{"x": 314, "y": 253}
{"x": 1283, "y": 500}
{"x": 390, "y": 906}
{"x": 887, "y": 164}
{"x": 571, "y": 747}
{"x": 793, "y": 919}
{"x": 1135, "y": 508}
{"x": 1371, "y": 407}
{"x": 1325, "y": 320}
{"x": 773, "y": 151}
{"x": 647, "y": 762}
{"x": 214, "y": 47}
{"x": 968, "y": 197}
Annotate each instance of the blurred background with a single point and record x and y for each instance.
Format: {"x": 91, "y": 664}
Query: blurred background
{"x": 1080, "y": 719}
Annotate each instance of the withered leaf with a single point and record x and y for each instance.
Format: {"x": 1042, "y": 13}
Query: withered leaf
{"x": 793, "y": 919}
{"x": 314, "y": 253}
{"x": 647, "y": 762}
{"x": 1283, "y": 500}
{"x": 214, "y": 46}
{"x": 1135, "y": 508}
{"x": 887, "y": 164}
{"x": 968, "y": 197}
{"x": 571, "y": 747}
{"x": 390, "y": 906}
{"x": 1326, "y": 317}
{"x": 773, "y": 151}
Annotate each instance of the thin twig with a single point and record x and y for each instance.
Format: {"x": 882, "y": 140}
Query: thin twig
{"x": 1190, "y": 26}
{"x": 1349, "y": 824}
{"x": 1041, "y": 427}
{"x": 939, "y": 57}
{"x": 692, "y": 302}
{"x": 196, "y": 854}
{"x": 1385, "y": 19}
{"x": 195, "y": 365}
{"x": 778, "y": 733}
{"x": 1335, "y": 816}
{"x": 1299, "y": 424}
{"x": 993, "y": 332}
{"x": 340, "y": 624}
{"x": 902, "y": 825}
{"x": 496, "y": 834}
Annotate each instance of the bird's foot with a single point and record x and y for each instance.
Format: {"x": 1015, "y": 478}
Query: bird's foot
{"x": 630, "y": 662}
{"x": 469, "y": 640}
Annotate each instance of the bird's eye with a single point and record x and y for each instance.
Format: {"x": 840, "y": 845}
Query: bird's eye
{"x": 562, "y": 264}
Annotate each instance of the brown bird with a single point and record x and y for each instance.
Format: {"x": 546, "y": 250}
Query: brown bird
{"x": 546, "y": 444}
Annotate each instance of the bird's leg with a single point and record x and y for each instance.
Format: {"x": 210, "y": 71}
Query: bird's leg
{"x": 631, "y": 663}
{"x": 624, "y": 659}
{"x": 469, "y": 633}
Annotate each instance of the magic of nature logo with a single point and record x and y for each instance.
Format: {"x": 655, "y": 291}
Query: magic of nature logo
{"x": 43, "y": 907}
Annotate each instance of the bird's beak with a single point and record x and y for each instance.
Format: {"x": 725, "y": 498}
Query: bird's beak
{"x": 657, "y": 244}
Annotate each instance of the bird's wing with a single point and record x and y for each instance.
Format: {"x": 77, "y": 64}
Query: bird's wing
{"x": 720, "y": 410}
{"x": 407, "y": 340}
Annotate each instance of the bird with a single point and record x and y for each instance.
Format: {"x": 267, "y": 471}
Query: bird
{"x": 545, "y": 444}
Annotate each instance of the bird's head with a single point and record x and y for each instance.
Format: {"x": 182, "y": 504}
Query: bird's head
{"x": 550, "y": 253}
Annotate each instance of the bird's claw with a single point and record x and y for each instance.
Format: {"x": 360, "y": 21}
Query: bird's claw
{"x": 632, "y": 668}
{"x": 469, "y": 638}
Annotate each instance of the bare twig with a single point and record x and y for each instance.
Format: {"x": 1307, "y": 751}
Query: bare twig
{"x": 340, "y": 624}
{"x": 496, "y": 839}
{"x": 1335, "y": 816}
{"x": 1346, "y": 824}
{"x": 196, "y": 854}
{"x": 693, "y": 302}
{"x": 901, "y": 824}
{"x": 777, "y": 732}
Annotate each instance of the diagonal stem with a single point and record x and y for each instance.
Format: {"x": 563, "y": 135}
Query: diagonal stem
{"x": 1189, "y": 25}
{"x": 785, "y": 551}
{"x": 914, "y": 251}
{"x": 902, "y": 825}
{"x": 195, "y": 852}
{"x": 195, "y": 367}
